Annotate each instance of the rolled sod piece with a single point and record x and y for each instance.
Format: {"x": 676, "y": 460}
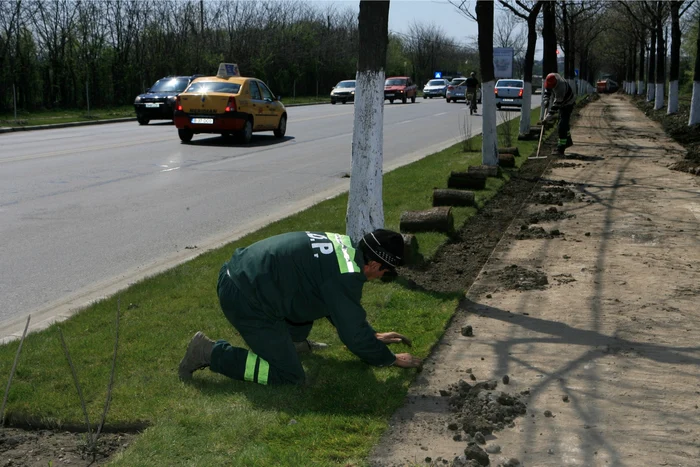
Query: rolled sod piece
{"x": 438, "y": 219}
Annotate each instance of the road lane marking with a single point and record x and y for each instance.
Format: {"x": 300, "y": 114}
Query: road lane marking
{"x": 441, "y": 113}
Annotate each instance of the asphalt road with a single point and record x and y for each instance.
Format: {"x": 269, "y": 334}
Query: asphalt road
{"x": 87, "y": 210}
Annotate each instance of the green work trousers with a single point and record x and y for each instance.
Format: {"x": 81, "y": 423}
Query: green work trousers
{"x": 272, "y": 358}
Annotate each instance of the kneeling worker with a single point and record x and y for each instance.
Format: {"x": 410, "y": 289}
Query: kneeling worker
{"x": 273, "y": 290}
{"x": 563, "y": 101}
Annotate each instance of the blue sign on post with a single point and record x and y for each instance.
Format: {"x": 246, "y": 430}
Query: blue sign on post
{"x": 438, "y": 74}
{"x": 576, "y": 72}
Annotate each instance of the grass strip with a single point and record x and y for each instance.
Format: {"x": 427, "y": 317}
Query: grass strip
{"x": 334, "y": 420}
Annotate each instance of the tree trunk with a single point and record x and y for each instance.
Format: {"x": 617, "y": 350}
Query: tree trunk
{"x": 365, "y": 209}
{"x": 660, "y": 68}
{"x": 450, "y": 197}
{"x": 567, "y": 43}
{"x": 549, "y": 43}
{"x": 642, "y": 45}
{"x": 437, "y": 219}
{"x": 675, "y": 57}
{"x": 489, "y": 140}
{"x": 651, "y": 77}
{"x": 695, "y": 101}
{"x": 529, "y": 62}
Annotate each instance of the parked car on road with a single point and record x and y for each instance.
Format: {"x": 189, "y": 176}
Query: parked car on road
{"x": 435, "y": 88}
{"x": 158, "y": 102}
{"x": 230, "y": 105}
{"x": 343, "y": 92}
{"x": 457, "y": 90}
{"x": 509, "y": 93}
{"x": 400, "y": 87}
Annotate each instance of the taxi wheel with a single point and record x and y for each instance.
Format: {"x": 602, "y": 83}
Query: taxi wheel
{"x": 413, "y": 100}
{"x": 391, "y": 101}
{"x": 282, "y": 127}
{"x": 424, "y": 97}
{"x": 185, "y": 135}
{"x": 246, "y": 134}
{"x": 403, "y": 100}
{"x": 142, "y": 120}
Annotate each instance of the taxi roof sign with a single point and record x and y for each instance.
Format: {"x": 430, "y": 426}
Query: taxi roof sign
{"x": 227, "y": 70}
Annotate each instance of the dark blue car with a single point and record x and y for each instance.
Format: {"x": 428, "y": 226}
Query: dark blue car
{"x": 158, "y": 102}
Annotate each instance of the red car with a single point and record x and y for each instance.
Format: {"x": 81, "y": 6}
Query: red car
{"x": 400, "y": 87}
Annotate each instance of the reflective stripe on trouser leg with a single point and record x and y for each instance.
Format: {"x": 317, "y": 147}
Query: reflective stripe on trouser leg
{"x": 250, "y": 365}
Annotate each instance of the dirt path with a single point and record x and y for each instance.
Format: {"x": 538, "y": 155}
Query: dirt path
{"x": 606, "y": 353}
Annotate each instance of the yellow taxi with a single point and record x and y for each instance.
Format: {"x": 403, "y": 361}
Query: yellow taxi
{"x": 230, "y": 105}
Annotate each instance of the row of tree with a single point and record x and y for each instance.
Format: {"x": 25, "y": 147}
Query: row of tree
{"x": 60, "y": 53}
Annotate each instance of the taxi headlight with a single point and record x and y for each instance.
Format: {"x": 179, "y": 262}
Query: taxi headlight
{"x": 138, "y": 99}
{"x": 172, "y": 98}
{"x": 352, "y": 92}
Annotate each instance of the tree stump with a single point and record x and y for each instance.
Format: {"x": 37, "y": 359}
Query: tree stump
{"x": 488, "y": 170}
{"x": 510, "y": 150}
{"x": 449, "y": 197}
{"x": 411, "y": 254}
{"x": 437, "y": 219}
{"x": 466, "y": 180}
{"x": 506, "y": 160}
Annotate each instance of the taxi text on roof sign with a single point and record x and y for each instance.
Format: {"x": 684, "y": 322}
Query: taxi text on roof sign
{"x": 227, "y": 70}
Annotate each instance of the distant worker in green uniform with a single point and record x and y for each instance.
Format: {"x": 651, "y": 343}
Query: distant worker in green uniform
{"x": 272, "y": 292}
{"x": 558, "y": 96}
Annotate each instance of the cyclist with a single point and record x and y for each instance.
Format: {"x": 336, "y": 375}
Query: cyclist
{"x": 472, "y": 85}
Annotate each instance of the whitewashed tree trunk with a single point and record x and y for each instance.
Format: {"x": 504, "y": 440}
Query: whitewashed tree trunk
{"x": 633, "y": 87}
{"x": 640, "y": 87}
{"x": 672, "y": 98}
{"x": 366, "y": 211}
{"x": 489, "y": 140}
{"x": 659, "y": 96}
{"x": 526, "y": 109}
{"x": 650, "y": 91}
{"x": 695, "y": 105}
{"x": 572, "y": 83}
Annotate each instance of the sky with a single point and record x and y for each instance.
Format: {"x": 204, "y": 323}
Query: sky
{"x": 441, "y": 13}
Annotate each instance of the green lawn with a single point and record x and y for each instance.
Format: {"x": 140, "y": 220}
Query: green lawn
{"x": 339, "y": 415}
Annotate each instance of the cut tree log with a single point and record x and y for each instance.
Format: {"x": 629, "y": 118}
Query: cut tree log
{"x": 511, "y": 150}
{"x": 466, "y": 180}
{"x": 506, "y": 160}
{"x": 450, "y": 197}
{"x": 437, "y": 219}
{"x": 411, "y": 253}
{"x": 488, "y": 170}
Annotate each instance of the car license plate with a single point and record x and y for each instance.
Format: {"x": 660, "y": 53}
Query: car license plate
{"x": 389, "y": 95}
{"x": 203, "y": 121}
{"x": 152, "y": 104}
{"x": 507, "y": 100}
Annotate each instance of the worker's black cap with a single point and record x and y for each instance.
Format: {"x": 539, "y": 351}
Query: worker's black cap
{"x": 386, "y": 247}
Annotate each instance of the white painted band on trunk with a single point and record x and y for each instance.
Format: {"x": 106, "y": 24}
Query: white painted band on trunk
{"x": 526, "y": 109}
{"x": 640, "y": 87}
{"x": 650, "y": 92}
{"x": 659, "y": 96}
{"x": 489, "y": 141}
{"x": 365, "y": 211}
{"x": 695, "y": 105}
{"x": 672, "y": 97}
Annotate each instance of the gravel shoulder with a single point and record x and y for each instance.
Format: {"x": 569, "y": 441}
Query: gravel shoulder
{"x": 603, "y": 350}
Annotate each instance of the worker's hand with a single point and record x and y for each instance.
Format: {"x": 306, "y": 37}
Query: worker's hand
{"x": 550, "y": 117}
{"x": 393, "y": 338}
{"x": 406, "y": 360}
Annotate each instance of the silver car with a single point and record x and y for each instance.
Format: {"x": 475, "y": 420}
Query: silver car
{"x": 457, "y": 90}
{"x": 343, "y": 92}
{"x": 435, "y": 88}
{"x": 509, "y": 93}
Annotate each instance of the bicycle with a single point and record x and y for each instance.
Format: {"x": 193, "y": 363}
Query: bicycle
{"x": 471, "y": 102}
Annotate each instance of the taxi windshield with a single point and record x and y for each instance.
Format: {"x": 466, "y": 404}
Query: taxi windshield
{"x": 346, "y": 84}
{"x": 436, "y": 82}
{"x": 395, "y": 82}
{"x": 214, "y": 86}
{"x": 170, "y": 85}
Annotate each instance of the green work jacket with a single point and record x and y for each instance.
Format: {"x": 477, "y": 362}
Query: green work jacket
{"x": 304, "y": 276}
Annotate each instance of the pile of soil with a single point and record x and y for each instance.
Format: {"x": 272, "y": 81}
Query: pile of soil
{"x": 549, "y": 215}
{"x": 480, "y": 410}
{"x": 516, "y": 277}
{"x": 535, "y": 232}
{"x": 554, "y": 195}
{"x": 676, "y": 126}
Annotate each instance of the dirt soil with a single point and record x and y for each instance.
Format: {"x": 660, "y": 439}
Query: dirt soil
{"x": 42, "y": 448}
{"x": 595, "y": 329}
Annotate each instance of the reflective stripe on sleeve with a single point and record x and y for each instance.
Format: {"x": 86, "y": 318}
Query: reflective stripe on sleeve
{"x": 344, "y": 252}
{"x": 250, "y": 366}
{"x": 263, "y": 371}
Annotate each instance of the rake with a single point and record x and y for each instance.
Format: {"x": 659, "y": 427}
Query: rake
{"x": 539, "y": 146}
